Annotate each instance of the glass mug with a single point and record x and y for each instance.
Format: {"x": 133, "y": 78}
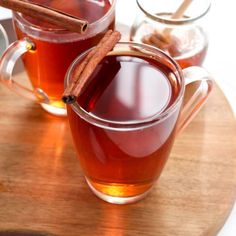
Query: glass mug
{"x": 183, "y": 38}
{"x": 3, "y": 40}
{"x": 125, "y": 122}
{"x": 48, "y": 51}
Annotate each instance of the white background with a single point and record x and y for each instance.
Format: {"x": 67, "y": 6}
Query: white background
{"x": 220, "y": 59}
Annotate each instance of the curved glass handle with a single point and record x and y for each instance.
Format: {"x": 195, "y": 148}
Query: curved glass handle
{"x": 7, "y": 63}
{"x": 199, "y": 94}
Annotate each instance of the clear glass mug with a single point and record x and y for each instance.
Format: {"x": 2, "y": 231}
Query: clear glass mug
{"x": 124, "y": 129}
{"x": 48, "y": 51}
{"x": 183, "y": 38}
{"x": 3, "y": 40}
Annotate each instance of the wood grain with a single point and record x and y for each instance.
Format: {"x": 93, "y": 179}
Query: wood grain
{"x": 43, "y": 192}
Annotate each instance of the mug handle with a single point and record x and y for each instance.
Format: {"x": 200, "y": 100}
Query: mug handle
{"x": 7, "y": 63}
{"x": 198, "y": 98}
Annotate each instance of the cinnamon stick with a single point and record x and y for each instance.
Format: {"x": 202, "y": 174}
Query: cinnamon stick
{"x": 45, "y": 13}
{"x": 88, "y": 65}
{"x": 79, "y": 69}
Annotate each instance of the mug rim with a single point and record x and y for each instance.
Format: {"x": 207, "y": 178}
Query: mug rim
{"x": 181, "y": 21}
{"x": 22, "y": 20}
{"x": 128, "y": 125}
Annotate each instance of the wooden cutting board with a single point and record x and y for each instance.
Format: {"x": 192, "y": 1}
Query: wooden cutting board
{"x": 43, "y": 192}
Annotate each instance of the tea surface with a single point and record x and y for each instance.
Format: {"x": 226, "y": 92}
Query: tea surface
{"x": 129, "y": 88}
{"x": 86, "y": 9}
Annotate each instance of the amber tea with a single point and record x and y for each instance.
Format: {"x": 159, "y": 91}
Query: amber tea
{"x": 126, "y": 117}
{"x": 47, "y": 65}
{"x": 125, "y": 89}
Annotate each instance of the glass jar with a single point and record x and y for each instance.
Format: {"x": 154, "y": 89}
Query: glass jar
{"x": 183, "y": 37}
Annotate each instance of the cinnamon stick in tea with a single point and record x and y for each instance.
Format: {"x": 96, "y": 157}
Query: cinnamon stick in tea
{"x": 45, "y": 13}
{"x": 79, "y": 69}
{"x": 88, "y": 65}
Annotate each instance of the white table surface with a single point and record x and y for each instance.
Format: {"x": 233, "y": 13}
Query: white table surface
{"x": 220, "y": 61}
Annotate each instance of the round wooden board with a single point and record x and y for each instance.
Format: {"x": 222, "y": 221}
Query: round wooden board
{"x": 42, "y": 187}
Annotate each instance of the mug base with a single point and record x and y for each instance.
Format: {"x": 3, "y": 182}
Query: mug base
{"x": 116, "y": 200}
{"x": 56, "y": 111}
